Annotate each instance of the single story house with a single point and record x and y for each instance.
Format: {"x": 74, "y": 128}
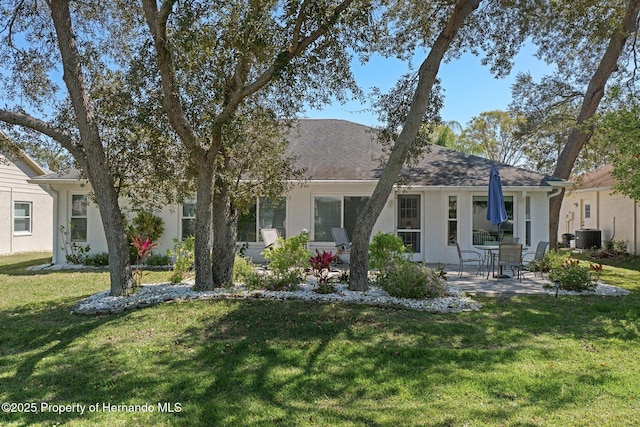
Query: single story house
{"x": 25, "y": 209}
{"x": 443, "y": 201}
{"x": 592, "y": 204}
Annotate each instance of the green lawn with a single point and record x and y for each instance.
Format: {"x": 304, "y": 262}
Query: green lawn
{"x": 526, "y": 361}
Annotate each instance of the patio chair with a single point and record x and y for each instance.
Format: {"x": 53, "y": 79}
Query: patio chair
{"x": 538, "y": 254}
{"x": 510, "y": 255}
{"x": 343, "y": 244}
{"x": 270, "y": 237}
{"x": 469, "y": 256}
{"x": 481, "y": 236}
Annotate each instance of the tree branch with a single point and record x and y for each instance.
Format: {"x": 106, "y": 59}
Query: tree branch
{"x": 30, "y": 122}
{"x": 282, "y": 59}
{"x": 157, "y": 22}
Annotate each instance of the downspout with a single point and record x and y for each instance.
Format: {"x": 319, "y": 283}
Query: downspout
{"x": 554, "y": 193}
{"x": 12, "y": 209}
{"x": 635, "y": 231}
{"x": 54, "y": 254}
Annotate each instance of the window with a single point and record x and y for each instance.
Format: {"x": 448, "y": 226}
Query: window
{"x": 483, "y": 230}
{"x": 22, "y": 217}
{"x": 188, "y": 219}
{"x": 409, "y": 221}
{"x": 335, "y": 212}
{"x": 266, "y": 213}
{"x": 78, "y": 220}
{"x": 587, "y": 210}
{"x": 452, "y": 224}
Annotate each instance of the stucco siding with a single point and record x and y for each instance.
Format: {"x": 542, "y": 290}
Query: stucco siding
{"x": 15, "y": 188}
{"x": 614, "y": 214}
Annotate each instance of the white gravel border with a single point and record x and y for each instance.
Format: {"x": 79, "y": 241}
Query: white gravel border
{"x": 147, "y": 295}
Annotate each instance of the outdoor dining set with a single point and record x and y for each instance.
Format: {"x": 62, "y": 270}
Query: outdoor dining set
{"x": 501, "y": 255}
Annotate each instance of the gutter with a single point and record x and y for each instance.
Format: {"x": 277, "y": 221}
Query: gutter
{"x": 556, "y": 191}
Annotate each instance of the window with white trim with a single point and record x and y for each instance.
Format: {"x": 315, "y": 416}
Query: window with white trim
{"x": 22, "y": 217}
{"x": 452, "y": 221}
{"x": 335, "y": 212}
{"x": 409, "y": 220}
{"x": 266, "y": 213}
{"x": 188, "y": 219}
{"x": 78, "y": 219}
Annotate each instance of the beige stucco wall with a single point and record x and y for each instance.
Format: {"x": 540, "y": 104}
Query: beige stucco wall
{"x": 15, "y": 188}
{"x": 615, "y": 215}
{"x": 300, "y": 215}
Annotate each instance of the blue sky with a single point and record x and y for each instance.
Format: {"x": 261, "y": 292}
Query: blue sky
{"x": 469, "y": 87}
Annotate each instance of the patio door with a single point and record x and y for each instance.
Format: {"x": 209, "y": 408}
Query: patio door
{"x": 409, "y": 222}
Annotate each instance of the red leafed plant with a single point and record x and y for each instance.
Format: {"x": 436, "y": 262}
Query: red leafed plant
{"x": 143, "y": 250}
{"x": 321, "y": 265}
{"x": 597, "y": 270}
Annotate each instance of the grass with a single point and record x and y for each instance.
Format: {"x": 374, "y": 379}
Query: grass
{"x": 525, "y": 361}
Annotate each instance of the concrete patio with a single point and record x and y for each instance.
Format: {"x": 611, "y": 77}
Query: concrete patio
{"x": 481, "y": 286}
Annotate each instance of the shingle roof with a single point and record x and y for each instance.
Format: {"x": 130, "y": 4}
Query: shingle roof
{"x": 341, "y": 150}
{"x": 70, "y": 175}
{"x": 599, "y": 178}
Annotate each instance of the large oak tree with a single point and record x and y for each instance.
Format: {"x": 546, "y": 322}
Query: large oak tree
{"x": 37, "y": 38}
{"x": 216, "y": 59}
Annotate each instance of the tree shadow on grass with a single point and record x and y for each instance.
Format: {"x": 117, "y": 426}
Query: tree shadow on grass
{"x": 291, "y": 363}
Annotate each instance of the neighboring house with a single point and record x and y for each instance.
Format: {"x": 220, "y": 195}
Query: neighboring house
{"x": 592, "y": 204}
{"x": 444, "y": 201}
{"x": 26, "y": 209}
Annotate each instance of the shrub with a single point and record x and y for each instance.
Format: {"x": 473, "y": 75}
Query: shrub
{"x": 405, "y": 279}
{"x": 74, "y": 252}
{"x": 243, "y": 268}
{"x": 385, "y": 249}
{"x": 270, "y": 282}
{"x": 572, "y": 276}
{"x": 158, "y": 260}
{"x": 183, "y": 254}
{"x": 290, "y": 257}
{"x": 97, "y": 260}
{"x": 552, "y": 260}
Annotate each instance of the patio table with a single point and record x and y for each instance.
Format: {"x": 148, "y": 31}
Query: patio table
{"x": 490, "y": 254}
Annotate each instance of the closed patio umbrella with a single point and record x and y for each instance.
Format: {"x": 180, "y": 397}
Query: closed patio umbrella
{"x": 496, "y": 211}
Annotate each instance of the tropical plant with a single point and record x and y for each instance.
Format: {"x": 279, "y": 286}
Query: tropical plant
{"x": 320, "y": 268}
{"x": 143, "y": 250}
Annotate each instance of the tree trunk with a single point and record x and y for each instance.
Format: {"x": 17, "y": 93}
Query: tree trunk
{"x": 375, "y": 204}
{"x": 206, "y": 170}
{"x": 113, "y": 226}
{"x": 225, "y": 226}
{"x": 94, "y": 160}
{"x": 581, "y": 133}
